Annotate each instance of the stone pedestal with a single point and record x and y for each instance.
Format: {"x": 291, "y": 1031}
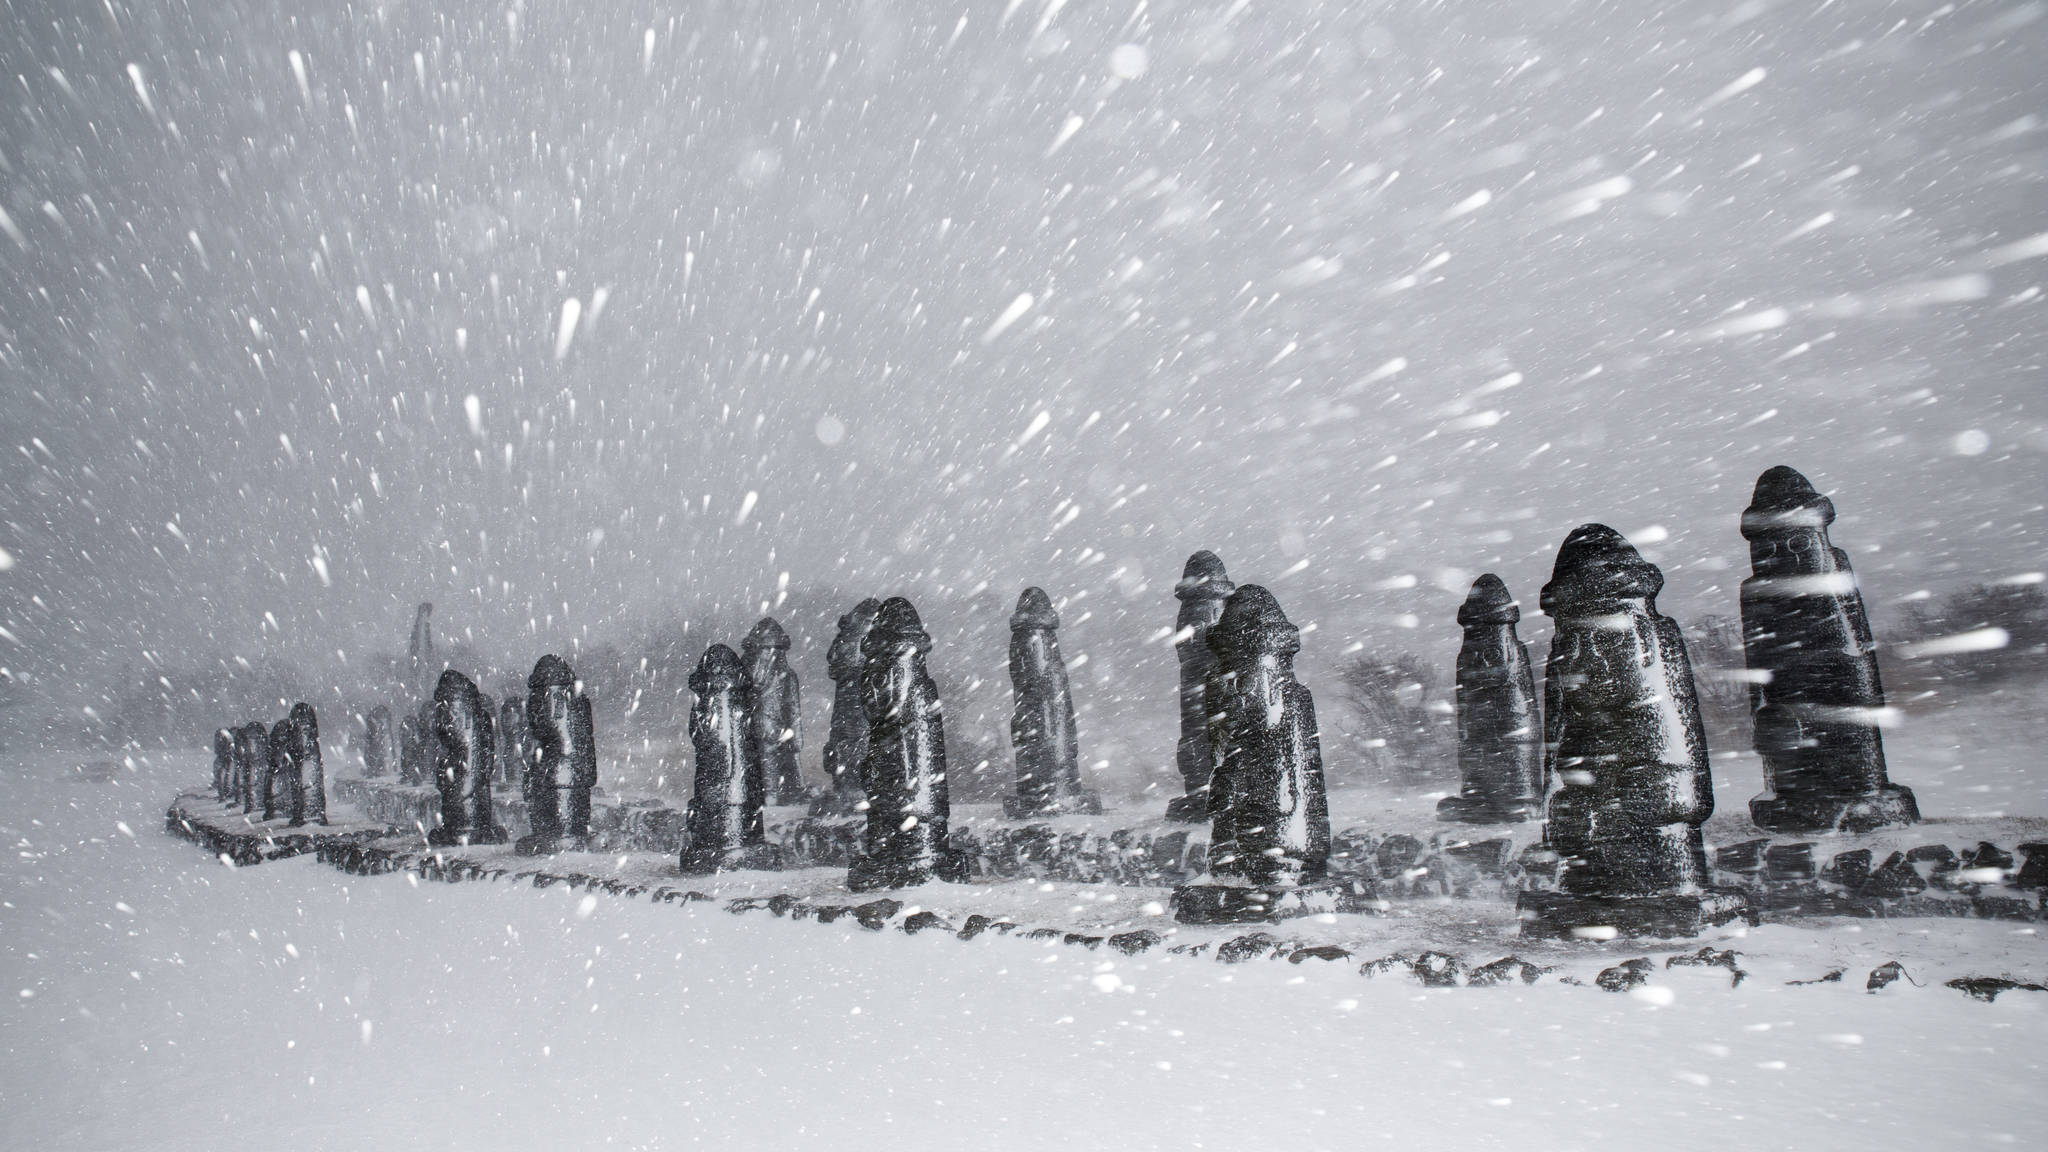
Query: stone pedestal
{"x": 1231, "y": 904}
{"x": 904, "y": 771}
{"x": 1500, "y": 736}
{"x": 1042, "y": 730}
{"x": 1202, "y": 590}
{"x": 1563, "y": 916}
{"x": 1816, "y": 696}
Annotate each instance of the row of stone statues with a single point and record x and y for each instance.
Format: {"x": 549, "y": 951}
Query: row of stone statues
{"x": 1815, "y": 693}
{"x": 275, "y": 770}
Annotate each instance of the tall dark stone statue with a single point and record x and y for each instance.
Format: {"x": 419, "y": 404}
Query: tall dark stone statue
{"x": 309, "y": 772}
{"x": 463, "y": 774}
{"x": 1202, "y": 591}
{"x": 775, "y": 722}
{"x": 561, "y": 766}
{"x": 252, "y": 764}
{"x": 283, "y": 795}
{"x": 513, "y": 743}
{"x": 1816, "y": 699}
{"x": 1623, "y": 735}
{"x": 1042, "y": 725}
{"x": 419, "y": 648}
{"x": 416, "y": 751}
{"x": 380, "y": 743}
{"x": 724, "y": 820}
{"x": 1269, "y": 836}
{"x": 223, "y": 764}
{"x": 904, "y": 771}
{"x": 848, "y": 742}
{"x": 1500, "y": 737}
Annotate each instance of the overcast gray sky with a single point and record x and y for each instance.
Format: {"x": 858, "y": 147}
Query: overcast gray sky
{"x": 572, "y": 316}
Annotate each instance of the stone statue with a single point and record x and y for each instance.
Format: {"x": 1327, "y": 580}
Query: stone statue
{"x": 724, "y": 819}
{"x": 252, "y": 763}
{"x": 1202, "y": 590}
{"x": 283, "y": 795}
{"x": 775, "y": 718}
{"x": 380, "y": 743}
{"x": 419, "y": 649}
{"x": 1816, "y": 697}
{"x": 904, "y": 771}
{"x": 309, "y": 773}
{"x": 513, "y": 743}
{"x": 1269, "y": 837}
{"x": 223, "y": 764}
{"x": 1624, "y": 742}
{"x": 1500, "y": 737}
{"x": 1042, "y": 726}
{"x": 463, "y": 774}
{"x": 562, "y": 763}
{"x": 416, "y": 754}
{"x": 848, "y": 742}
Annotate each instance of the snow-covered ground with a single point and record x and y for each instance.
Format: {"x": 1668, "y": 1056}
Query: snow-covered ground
{"x": 161, "y": 1000}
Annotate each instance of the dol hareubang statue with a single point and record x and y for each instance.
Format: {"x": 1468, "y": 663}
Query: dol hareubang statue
{"x": 1628, "y": 753}
{"x": 467, "y": 755}
{"x": 1269, "y": 838}
{"x": 562, "y": 763}
{"x": 1500, "y": 738}
{"x": 904, "y": 771}
{"x": 1202, "y": 590}
{"x": 1042, "y": 725}
{"x": 1817, "y": 697}
{"x": 847, "y": 744}
{"x": 724, "y": 821}
{"x": 775, "y": 716}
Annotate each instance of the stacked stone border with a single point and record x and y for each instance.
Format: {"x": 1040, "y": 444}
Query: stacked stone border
{"x": 365, "y": 852}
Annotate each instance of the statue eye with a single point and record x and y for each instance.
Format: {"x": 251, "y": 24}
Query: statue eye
{"x": 1801, "y": 544}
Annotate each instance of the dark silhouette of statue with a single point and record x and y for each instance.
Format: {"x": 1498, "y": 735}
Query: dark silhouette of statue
{"x": 513, "y": 743}
{"x": 1269, "y": 834}
{"x": 1202, "y": 590}
{"x": 904, "y": 771}
{"x": 1628, "y": 753}
{"x": 252, "y": 764}
{"x": 463, "y": 771}
{"x": 1042, "y": 726}
{"x": 1500, "y": 737}
{"x": 847, "y": 743}
{"x": 775, "y": 721}
{"x": 223, "y": 764}
{"x": 561, "y": 768}
{"x": 380, "y": 742}
{"x": 724, "y": 821}
{"x": 279, "y": 788}
{"x": 309, "y": 773}
{"x": 1816, "y": 697}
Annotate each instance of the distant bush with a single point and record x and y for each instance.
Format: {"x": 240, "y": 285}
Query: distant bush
{"x": 1400, "y": 722}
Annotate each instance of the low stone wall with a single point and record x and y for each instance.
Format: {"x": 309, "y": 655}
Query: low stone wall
{"x": 199, "y": 820}
{"x": 1783, "y": 877}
